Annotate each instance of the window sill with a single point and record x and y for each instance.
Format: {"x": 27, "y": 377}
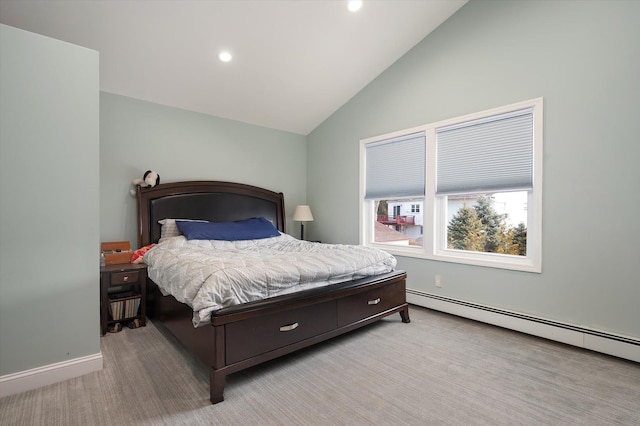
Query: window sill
{"x": 486, "y": 260}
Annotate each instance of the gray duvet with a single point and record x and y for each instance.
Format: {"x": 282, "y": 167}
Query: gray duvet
{"x": 209, "y": 274}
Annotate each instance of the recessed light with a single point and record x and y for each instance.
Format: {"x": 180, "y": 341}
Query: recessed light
{"x": 224, "y": 56}
{"x": 354, "y": 5}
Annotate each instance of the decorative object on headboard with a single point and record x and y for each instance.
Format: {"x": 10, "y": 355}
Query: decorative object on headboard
{"x": 302, "y": 214}
{"x": 149, "y": 180}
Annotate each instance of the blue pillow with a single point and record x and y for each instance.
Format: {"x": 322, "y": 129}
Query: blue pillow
{"x": 248, "y": 229}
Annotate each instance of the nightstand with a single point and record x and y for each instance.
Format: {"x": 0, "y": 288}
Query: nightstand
{"x": 123, "y": 294}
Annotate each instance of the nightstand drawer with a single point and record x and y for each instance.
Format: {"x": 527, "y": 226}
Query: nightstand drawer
{"x": 128, "y": 277}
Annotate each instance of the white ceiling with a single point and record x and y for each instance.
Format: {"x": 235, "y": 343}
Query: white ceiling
{"x": 295, "y": 61}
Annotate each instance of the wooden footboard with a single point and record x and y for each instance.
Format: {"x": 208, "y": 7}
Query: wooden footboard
{"x": 249, "y": 334}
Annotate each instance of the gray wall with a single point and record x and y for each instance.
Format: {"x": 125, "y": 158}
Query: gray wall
{"x": 49, "y": 206}
{"x": 136, "y": 136}
{"x": 582, "y": 57}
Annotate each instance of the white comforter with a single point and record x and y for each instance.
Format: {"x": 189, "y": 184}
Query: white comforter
{"x": 209, "y": 275}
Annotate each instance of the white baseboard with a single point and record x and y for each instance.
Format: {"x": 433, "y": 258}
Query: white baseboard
{"x": 595, "y": 340}
{"x": 23, "y": 381}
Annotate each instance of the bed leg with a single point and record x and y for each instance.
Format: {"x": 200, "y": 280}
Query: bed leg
{"x": 217, "y": 380}
{"x": 404, "y": 314}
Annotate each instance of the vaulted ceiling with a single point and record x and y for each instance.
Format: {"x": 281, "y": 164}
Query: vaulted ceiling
{"x": 295, "y": 62}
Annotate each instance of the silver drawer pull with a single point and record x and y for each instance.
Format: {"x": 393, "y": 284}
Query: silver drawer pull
{"x": 125, "y": 278}
{"x": 289, "y": 327}
{"x": 374, "y": 301}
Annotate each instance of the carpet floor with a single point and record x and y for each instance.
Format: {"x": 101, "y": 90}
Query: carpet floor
{"x": 439, "y": 369}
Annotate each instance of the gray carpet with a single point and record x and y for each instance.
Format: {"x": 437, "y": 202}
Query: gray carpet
{"x": 439, "y": 369}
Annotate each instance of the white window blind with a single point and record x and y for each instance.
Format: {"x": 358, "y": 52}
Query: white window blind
{"x": 395, "y": 168}
{"x": 487, "y": 155}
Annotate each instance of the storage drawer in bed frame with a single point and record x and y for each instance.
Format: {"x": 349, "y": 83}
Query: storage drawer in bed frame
{"x": 360, "y": 306}
{"x": 255, "y": 336}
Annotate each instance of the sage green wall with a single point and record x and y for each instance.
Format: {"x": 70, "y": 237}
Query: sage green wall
{"x": 49, "y": 206}
{"x": 136, "y": 136}
{"x": 583, "y": 58}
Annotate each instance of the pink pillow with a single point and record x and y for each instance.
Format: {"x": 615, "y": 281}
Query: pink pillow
{"x": 138, "y": 255}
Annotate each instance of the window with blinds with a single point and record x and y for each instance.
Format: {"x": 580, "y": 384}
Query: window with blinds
{"x": 394, "y": 185}
{"x": 491, "y": 154}
{"x": 396, "y": 167}
{"x": 465, "y": 190}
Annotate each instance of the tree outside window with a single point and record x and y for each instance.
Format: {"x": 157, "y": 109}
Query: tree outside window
{"x": 481, "y": 228}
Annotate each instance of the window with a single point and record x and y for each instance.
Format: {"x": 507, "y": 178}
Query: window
{"x": 477, "y": 199}
{"x": 394, "y": 184}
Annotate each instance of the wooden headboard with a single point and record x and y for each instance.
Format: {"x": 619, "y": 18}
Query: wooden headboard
{"x": 208, "y": 200}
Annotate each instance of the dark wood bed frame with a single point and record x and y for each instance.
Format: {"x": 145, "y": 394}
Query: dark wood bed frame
{"x": 246, "y": 335}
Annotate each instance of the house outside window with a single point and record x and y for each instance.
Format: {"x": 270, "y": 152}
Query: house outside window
{"x": 480, "y": 201}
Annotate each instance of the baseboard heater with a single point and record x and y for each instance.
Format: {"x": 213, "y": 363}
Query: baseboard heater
{"x": 600, "y": 341}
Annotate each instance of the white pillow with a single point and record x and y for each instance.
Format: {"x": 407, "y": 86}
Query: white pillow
{"x": 168, "y": 228}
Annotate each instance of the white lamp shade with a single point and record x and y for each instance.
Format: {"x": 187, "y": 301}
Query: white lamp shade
{"x": 302, "y": 214}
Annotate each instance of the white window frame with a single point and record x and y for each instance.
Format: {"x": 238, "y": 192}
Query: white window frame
{"x": 434, "y": 208}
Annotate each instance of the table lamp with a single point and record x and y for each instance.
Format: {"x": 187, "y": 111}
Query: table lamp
{"x": 302, "y": 214}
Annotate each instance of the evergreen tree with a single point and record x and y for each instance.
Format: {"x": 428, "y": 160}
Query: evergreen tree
{"x": 493, "y": 223}
{"x": 506, "y": 245}
{"x": 482, "y": 229}
{"x": 465, "y": 231}
{"x": 520, "y": 239}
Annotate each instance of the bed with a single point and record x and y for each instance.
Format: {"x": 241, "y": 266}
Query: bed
{"x": 241, "y": 336}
